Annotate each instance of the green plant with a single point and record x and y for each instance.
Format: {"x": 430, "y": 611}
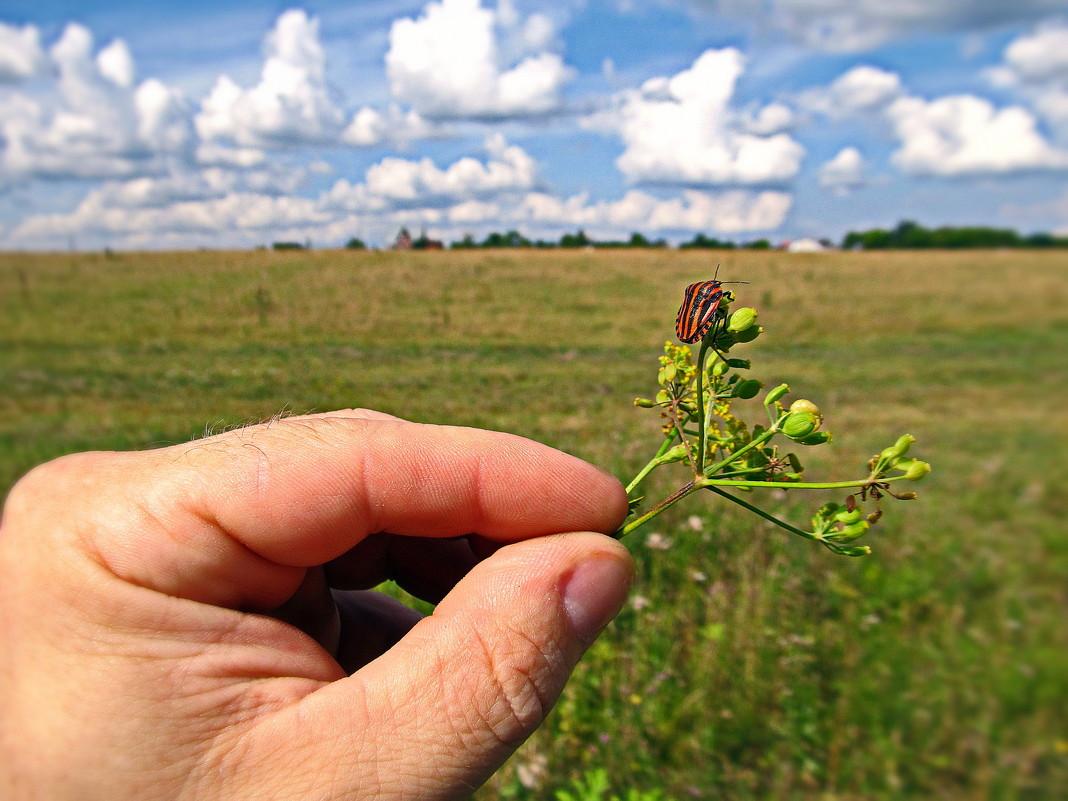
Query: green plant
{"x": 702, "y": 428}
{"x": 595, "y": 787}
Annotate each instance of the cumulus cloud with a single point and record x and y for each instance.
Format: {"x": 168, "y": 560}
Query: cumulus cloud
{"x": 682, "y": 130}
{"x": 845, "y": 172}
{"x": 91, "y": 121}
{"x": 290, "y": 105}
{"x": 461, "y": 60}
{"x": 234, "y": 213}
{"x": 1040, "y": 56}
{"x": 956, "y": 135}
{"x": 372, "y": 127}
{"x": 967, "y": 135}
{"x": 404, "y": 182}
{"x": 734, "y": 211}
{"x": 21, "y": 55}
{"x": 1036, "y": 64}
{"x": 850, "y": 26}
{"x": 862, "y": 89}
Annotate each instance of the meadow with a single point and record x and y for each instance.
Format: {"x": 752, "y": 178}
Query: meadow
{"x": 749, "y": 664}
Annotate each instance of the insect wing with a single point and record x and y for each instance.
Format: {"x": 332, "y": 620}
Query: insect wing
{"x": 698, "y": 310}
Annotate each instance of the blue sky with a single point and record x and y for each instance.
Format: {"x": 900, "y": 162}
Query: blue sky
{"x": 162, "y": 125}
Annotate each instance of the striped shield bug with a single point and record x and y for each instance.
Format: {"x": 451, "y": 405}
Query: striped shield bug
{"x": 700, "y": 309}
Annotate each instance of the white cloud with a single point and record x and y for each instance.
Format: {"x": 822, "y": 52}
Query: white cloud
{"x": 967, "y": 135}
{"x": 771, "y": 119}
{"x": 1041, "y": 56}
{"x": 403, "y": 182}
{"x": 231, "y": 215}
{"x": 91, "y": 121}
{"x": 734, "y": 211}
{"x": 845, "y": 172}
{"x": 1036, "y": 65}
{"x": 290, "y": 105}
{"x": 372, "y": 127}
{"x": 865, "y": 88}
{"x": 116, "y": 64}
{"x": 682, "y": 130}
{"x": 21, "y": 55}
{"x": 461, "y": 60}
{"x": 849, "y": 25}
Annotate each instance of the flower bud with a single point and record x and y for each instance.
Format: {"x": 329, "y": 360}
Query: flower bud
{"x": 799, "y": 425}
{"x": 742, "y": 319}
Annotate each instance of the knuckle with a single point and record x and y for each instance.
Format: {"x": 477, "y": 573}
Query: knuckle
{"x": 520, "y": 687}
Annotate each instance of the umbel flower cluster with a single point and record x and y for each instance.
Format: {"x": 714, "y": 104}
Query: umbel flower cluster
{"x": 729, "y": 457}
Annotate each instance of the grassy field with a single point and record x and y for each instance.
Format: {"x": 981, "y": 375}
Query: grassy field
{"x": 750, "y": 664}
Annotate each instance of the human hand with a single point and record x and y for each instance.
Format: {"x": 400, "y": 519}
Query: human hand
{"x": 193, "y": 622}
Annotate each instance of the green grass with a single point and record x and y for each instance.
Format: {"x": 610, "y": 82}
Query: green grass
{"x": 758, "y": 666}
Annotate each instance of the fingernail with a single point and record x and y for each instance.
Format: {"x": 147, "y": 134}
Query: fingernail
{"x": 595, "y": 591}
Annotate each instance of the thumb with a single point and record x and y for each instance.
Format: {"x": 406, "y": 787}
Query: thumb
{"x": 443, "y": 709}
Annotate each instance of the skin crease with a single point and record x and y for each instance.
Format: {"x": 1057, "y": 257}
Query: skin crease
{"x": 195, "y": 622}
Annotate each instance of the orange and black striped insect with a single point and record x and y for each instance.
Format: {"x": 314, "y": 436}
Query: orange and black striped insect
{"x": 700, "y": 309}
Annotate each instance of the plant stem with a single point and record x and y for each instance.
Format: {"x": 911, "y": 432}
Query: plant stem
{"x": 709, "y": 482}
{"x": 670, "y": 500}
{"x": 653, "y": 464}
{"x": 702, "y": 432}
{"x": 755, "y": 443}
{"x": 758, "y": 511}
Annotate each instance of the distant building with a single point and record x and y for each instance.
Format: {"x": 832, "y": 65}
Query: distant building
{"x": 403, "y": 240}
{"x": 805, "y": 245}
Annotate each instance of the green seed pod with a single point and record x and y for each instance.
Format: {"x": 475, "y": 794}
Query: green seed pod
{"x": 720, "y": 368}
{"x": 644, "y": 403}
{"x": 899, "y": 448}
{"x": 803, "y": 405}
{"x": 776, "y": 394}
{"x": 742, "y": 319}
{"x": 819, "y": 438}
{"x": 749, "y": 334}
{"x": 853, "y": 531}
{"x": 917, "y": 470}
{"x": 663, "y": 397}
{"x": 848, "y": 517}
{"x": 854, "y": 550}
{"x": 676, "y": 454}
{"x": 740, "y": 364}
{"x": 799, "y": 425}
{"x": 747, "y": 388}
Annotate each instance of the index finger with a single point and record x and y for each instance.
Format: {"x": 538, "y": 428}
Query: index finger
{"x": 301, "y": 492}
{"x": 212, "y": 517}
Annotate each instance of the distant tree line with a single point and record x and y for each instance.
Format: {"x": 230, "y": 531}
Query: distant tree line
{"x": 909, "y": 234}
{"x": 579, "y": 239}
